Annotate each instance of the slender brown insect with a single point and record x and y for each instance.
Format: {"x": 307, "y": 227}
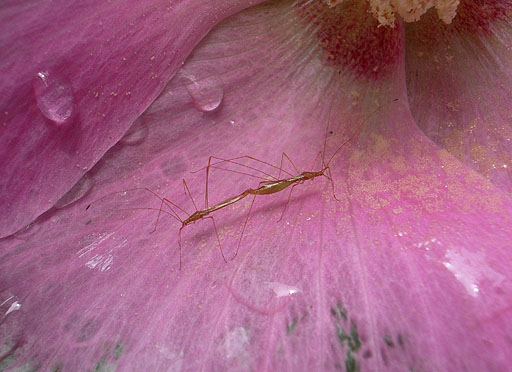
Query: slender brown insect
{"x": 265, "y": 187}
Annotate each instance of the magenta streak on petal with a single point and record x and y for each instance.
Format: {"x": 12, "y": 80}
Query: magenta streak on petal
{"x": 103, "y": 64}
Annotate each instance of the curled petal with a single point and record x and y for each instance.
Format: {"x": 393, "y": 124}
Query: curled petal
{"x": 74, "y": 81}
{"x": 459, "y": 80}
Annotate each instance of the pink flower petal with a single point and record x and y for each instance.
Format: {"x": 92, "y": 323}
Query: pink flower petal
{"x": 409, "y": 270}
{"x": 459, "y": 78}
{"x": 75, "y": 79}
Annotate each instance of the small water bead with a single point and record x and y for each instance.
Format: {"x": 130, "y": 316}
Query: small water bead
{"x": 77, "y": 192}
{"x": 54, "y": 96}
{"x": 283, "y": 290}
{"x": 207, "y": 93}
{"x": 259, "y": 292}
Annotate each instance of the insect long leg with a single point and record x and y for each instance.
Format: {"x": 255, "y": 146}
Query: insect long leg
{"x": 233, "y": 161}
{"x": 207, "y": 179}
{"x": 214, "y": 166}
{"x": 159, "y": 197}
{"x": 179, "y": 241}
{"x": 284, "y": 155}
{"x": 243, "y": 228}
{"x": 242, "y": 173}
{"x": 169, "y": 205}
{"x": 314, "y": 161}
{"x": 218, "y": 238}
{"x": 187, "y": 191}
{"x": 207, "y": 206}
{"x": 332, "y": 183}
{"x": 221, "y": 160}
{"x": 328, "y": 173}
{"x": 158, "y": 217}
{"x": 288, "y": 201}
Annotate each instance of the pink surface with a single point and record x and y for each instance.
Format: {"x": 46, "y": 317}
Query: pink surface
{"x": 104, "y": 62}
{"x": 408, "y": 271}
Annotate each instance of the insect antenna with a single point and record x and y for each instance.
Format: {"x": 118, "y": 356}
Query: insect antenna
{"x": 232, "y": 161}
{"x": 149, "y": 209}
{"x": 358, "y": 129}
{"x": 164, "y": 201}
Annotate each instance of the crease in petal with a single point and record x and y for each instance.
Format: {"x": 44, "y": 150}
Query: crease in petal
{"x": 74, "y": 81}
{"x": 471, "y": 116}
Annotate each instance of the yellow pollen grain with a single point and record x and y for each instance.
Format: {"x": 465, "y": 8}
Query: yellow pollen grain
{"x": 410, "y": 10}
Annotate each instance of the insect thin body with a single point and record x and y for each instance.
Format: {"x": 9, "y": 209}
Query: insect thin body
{"x": 266, "y": 187}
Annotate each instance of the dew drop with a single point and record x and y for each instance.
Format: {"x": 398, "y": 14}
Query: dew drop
{"x": 282, "y": 290}
{"x": 135, "y": 135}
{"x": 54, "y": 96}
{"x": 260, "y": 295}
{"x": 78, "y": 191}
{"x": 207, "y": 93}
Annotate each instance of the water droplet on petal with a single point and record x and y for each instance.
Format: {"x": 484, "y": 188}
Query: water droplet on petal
{"x": 135, "y": 135}
{"x": 54, "y": 95}
{"x": 282, "y": 290}
{"x": 78, "y": 191}
{"x": 206, "y": 93}
{"x": 262, "y": 296}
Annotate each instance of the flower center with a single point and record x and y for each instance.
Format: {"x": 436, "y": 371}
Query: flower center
{"x": 410, "y": 10}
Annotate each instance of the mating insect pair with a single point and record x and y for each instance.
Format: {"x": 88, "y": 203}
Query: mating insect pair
{"x": 265, "y": 187}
